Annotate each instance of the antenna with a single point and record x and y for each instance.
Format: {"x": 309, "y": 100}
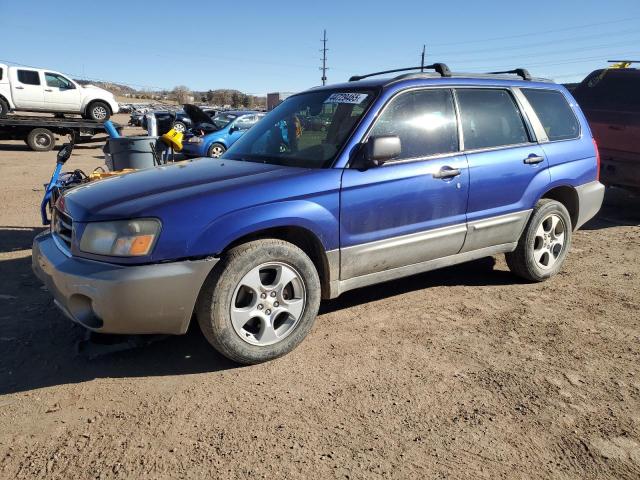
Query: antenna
{"x": 424, "y": 50}
{"x": 324, "y": 67}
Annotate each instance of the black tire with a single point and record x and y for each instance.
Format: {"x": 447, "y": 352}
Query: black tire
{"x": 99, "y": 111}
{"x": 522, "y": 261}
{"x": 213, "y": 309}
{"x": 41, "y": 140}
{"x": 179, "y": 127}
{"x": 216, "y": 150}
{"x": 4, "y": 108}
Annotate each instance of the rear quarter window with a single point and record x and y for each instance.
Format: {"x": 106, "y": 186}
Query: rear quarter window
{"x": 28, "y": 77}
{"x": 554, "y": 112}
{"x": 612, "y": 89}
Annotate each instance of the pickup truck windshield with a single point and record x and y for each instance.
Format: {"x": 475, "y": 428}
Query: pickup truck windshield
{"x": 306, "y": 130}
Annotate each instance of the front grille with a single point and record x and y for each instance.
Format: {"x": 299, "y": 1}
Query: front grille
{"x": 62, "y": 228}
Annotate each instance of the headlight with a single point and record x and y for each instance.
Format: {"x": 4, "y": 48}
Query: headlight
{"x": 194, "y": 139}
{"x": 126, "y": 238}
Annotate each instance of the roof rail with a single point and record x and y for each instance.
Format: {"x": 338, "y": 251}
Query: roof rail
{"x": 440, "y": 68}
{"x": 521, "y": 72}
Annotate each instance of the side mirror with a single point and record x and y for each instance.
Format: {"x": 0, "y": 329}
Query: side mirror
{"x": 379, "y": 150}
{"x": 233, "y": 129}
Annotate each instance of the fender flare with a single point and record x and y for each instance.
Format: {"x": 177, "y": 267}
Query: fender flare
{"x": 228, "y": 228}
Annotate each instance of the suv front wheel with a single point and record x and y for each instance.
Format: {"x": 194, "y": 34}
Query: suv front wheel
{"x": 260, "y": 301}
{"x": 544, "y": 244}
{"x": 98, "y": 111}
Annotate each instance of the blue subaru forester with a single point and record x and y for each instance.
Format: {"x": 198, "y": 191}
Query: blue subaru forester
{"x": 402, "y": 175}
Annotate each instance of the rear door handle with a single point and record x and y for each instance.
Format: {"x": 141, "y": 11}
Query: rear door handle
{"x": 447, "y": 172}
{"x": 19, "y": 88}
{"x": 48, "y": 90}
{"x": 533, "y": 159}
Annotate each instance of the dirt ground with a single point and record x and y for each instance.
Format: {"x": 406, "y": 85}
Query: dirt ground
{"x": 461, "y": 373}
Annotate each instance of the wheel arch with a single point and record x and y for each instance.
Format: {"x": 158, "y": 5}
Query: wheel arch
{"x": 94, "y": 100}
{"x": 301, "y": 237}
{"x": 567, "y": 196}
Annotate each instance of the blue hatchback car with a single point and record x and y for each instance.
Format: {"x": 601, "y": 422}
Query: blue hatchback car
{"x": 412, "y": 173}
{"x": 214, "y": 138}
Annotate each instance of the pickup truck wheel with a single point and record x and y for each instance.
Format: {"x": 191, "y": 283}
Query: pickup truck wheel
{"x": 544, "y": 244}
{"x": 41, "y": 140}
{"x": 260, "y": 301}
{"x": 4, "y": 108}
{"x": 216, "y": 150}
{"x": 99, "y": 111}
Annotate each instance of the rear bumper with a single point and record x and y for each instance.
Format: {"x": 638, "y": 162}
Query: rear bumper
{"x": 109, "y": 298}
{"x": 590, "y": 197}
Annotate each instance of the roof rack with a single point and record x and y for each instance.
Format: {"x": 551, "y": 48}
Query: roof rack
{"x": 521, "y": 72}
{"x": 440, "y": 68}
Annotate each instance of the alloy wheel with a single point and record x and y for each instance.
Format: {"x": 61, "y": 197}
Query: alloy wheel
{"x": 268, "y": 303}
{"x": 549, "y": 241}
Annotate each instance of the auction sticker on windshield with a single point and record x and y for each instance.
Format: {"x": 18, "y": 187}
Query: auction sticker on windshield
{"x": 346, "y": 97}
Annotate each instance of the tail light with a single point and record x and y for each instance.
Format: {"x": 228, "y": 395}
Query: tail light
{"x": 595, "y": 145}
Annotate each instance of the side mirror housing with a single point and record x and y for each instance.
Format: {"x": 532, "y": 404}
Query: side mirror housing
{"x": 379, "y": 150}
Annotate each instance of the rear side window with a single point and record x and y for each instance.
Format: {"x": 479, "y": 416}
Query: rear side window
{"x": 490, "y": 118}
{"x": 28, "y": 77}
{"x": 424, "y": 120}
{"x": 613, "y": 89}
{"x": 554, "y": 113}
{"x": 1, "y": 72}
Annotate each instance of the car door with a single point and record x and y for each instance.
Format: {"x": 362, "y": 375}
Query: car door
{"x": 60, "y": 94}
{"x": 412, "y": 209}
{"x": 507, "y": 167}
{"x": 239, "y": 127}
{"x": 27, "y": 89}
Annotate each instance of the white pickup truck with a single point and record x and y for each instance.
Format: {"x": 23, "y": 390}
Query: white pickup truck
{"x": 41, "y": 90}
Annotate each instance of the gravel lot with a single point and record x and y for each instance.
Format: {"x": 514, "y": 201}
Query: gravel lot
{"x": 461, "y": 373}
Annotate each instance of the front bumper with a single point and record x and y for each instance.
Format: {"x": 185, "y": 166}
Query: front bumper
{"x": 108, "y": 298}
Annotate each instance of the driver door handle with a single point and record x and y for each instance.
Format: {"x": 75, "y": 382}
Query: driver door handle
{"x": 19, "y": 88}
{"x": 533, "y": 159}
{"x": 48, "y": 90}
{"x": 446, "y": 172}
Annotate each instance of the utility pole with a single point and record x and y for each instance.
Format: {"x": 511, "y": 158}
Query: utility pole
{"x": 324, "y": 67}
{"x": 424, "y": 50}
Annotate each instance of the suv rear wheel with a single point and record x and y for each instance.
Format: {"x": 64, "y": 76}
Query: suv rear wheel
{"x": 544, "y": 244}
{"x": 260, "y": 301}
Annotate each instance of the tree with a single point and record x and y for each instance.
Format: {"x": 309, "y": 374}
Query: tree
{"x": 235, "y": 99}
{"x": 246, "y": 101}
{"x": 181, "y": 94}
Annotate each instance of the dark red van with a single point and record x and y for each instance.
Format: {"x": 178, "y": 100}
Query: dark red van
{"x": 610, "y": 98}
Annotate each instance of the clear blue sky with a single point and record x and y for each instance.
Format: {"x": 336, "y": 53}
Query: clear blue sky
{"x": 259, "y": 47}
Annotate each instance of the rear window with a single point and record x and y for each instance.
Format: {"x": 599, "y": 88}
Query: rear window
{"x": 554, "y": 113}
{"x": 490, "y": 118}
{"x": 28, "y": 77}
{"x": 610, "y": 90}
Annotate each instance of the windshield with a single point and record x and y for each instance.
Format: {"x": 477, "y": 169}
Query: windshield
{"x": 222, "y": 120}
{"x": 306, "y": 130}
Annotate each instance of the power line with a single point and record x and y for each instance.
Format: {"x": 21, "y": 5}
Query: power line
{"x": 539, "y": 44}
{"x": 544, "y": 32}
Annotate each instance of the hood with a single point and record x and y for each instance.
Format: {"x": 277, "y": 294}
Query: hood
{"x": 93, "y": 87}
{"x": 185, "y": 185}
{"x": 196, "y": 114}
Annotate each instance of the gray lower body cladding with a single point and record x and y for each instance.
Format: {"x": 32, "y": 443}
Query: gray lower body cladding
{"x": 108, "y": 298}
